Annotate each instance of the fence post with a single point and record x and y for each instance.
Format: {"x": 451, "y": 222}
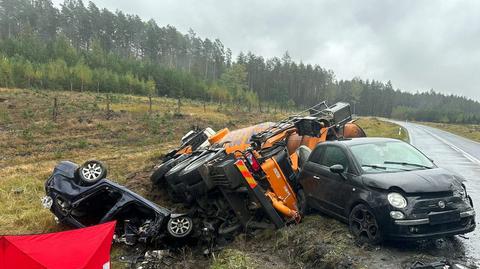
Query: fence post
{"x": 108, "y": 107}
{"x": 149, "y": 104}
{"x": 55, "y": 109}
{"x": 179, "y": 103}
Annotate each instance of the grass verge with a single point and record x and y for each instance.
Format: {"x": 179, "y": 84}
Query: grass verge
{"x": 470, "y": 131}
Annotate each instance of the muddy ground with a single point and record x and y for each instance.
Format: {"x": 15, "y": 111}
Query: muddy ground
{"x": 317, "y": 242}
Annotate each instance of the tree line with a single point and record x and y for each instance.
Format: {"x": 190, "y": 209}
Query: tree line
{"x": 82, "y": 47}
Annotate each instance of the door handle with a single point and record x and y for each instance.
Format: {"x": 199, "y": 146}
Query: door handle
{"x": 316, "y": 177}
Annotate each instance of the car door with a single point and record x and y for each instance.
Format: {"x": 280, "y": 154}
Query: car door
{"x": 338, "y": 187}
{"x": 331, "y": 189}
{"x": 309, "y": 179}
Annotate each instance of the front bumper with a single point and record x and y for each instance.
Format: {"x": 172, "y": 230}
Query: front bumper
{"x": 409, "y": 222}
{"x": 415, "y": 229}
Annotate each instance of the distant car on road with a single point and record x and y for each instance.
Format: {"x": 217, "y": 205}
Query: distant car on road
{"x": 385, "y": 188}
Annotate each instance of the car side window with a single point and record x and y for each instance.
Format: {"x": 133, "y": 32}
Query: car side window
{"x": 334, "y": 155}
{"x": 316, "y": 154}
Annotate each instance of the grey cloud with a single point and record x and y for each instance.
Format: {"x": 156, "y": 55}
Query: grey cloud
{"x": 417, "y": 45}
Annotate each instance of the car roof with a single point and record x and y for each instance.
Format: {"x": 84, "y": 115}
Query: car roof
{"x": 363, "y": 140}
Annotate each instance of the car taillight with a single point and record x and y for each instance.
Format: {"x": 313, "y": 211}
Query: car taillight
{"x": 252, "y": 161}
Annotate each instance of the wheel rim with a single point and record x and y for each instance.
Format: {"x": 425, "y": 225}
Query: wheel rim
{"x": 180, "y": 226}
{"x": 91, "y": 171}
{"x": 364, "y": 225}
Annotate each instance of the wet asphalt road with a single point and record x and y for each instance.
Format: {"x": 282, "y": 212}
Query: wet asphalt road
{"x": 459, "y": 155}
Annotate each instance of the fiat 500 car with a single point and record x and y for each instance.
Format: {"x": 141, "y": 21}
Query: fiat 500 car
{"x": 386, "y": 188}
{"x": 80, "y": 196}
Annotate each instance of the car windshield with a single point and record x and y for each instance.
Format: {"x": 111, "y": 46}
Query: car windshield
{"x": 389, "y": 156}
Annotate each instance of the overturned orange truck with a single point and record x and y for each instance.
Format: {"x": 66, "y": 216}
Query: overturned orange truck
{"x": 247, "y": 177}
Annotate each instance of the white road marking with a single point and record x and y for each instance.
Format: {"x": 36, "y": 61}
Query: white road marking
{"x": 457, "y": 149}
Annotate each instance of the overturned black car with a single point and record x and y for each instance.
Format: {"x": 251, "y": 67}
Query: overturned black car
{"x": 81, "y": 196}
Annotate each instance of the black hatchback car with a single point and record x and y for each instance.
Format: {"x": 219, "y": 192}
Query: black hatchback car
{"x": 385, "y": 188}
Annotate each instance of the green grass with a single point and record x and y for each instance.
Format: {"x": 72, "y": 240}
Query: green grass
{"x": 470, "y": 131}
{"x": 233, "y": 259}
{"x": 374, "y": 127}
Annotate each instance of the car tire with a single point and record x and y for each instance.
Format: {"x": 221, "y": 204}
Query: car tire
{"x": 302, "y": 202}
{"x": 90, "y": 172}
{"x": 180, "y": 227}
{"x": 364, "y": 226}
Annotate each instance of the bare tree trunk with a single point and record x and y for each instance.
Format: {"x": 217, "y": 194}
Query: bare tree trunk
{"x": 206, "y": 69}
{"x": 179, "y": 103}
{"x": 150, "y": 104}
{"x": 108, "y": 107}
{"x": 55, "y": 110}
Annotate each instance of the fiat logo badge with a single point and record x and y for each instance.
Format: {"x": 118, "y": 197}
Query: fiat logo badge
{"x": 441, "y": 204}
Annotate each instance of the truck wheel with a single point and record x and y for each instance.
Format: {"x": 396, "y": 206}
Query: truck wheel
{"x": 157, "y": 177}
{"x": 173, "y": 180}
{"x": 190, "y": 174}
{"x": 172, "y": 175}
{"x": 92, "y": 171}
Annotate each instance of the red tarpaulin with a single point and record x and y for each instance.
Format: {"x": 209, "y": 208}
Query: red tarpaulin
{"x": 86, "y": 248}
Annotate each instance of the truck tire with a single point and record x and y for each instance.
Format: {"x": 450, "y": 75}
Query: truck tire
{"x": 172, "y": 177}
{"x": 158, "y": 176}
{"x": 190, "y": 174}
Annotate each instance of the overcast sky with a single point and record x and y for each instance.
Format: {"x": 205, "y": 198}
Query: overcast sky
{"x": 417, "y": 44}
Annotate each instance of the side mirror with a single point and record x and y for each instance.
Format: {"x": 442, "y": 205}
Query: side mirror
{"x": 337, "y": 169}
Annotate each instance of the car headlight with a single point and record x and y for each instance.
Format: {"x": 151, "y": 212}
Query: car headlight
{"x": 47, "y": 202}
{"x": 397, "y": 215}
{"x": 460, "y": 191}
{"x": 397, "y": 200}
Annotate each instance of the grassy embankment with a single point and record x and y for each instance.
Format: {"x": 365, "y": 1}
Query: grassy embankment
{"x": 129, "y": 140}
{"x": 470, "y": 131}
{"x": 374, "y": 127}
